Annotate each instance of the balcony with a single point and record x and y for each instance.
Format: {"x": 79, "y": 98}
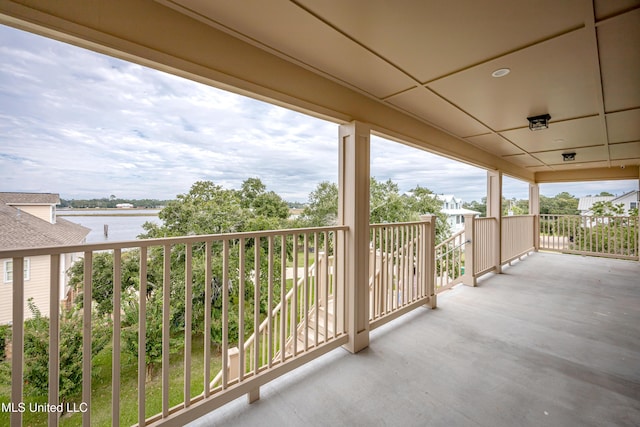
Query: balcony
{"x": 549, "y": 340}
{"x": 547, "y": 330}
{"x": 552, "y": 341}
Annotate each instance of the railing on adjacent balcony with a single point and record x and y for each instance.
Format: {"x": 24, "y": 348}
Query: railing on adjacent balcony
{"x": 302, "y": 320}
{"x": 605, "y": 236}
{"x": 260, "y": 281}
{"x": 450, "y": 260}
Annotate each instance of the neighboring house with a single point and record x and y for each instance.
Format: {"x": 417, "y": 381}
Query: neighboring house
{"x": 28, "y": 220}
{"x": 452, "y": 207}
{"x": 628, "y": 200}
{"x": 585, "y": 203}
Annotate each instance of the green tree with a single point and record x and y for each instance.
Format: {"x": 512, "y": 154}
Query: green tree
{"x": 607, "y": 208}
{"x": 265, "y": 210}
{"x": 561, "y": 204}
{"x": 322, "y": 208}
{"x": 36, "y": 351}
{"x": 480, "y": 206}
{"x": 102, "y": 278}
{"x": 386, "y": 205}
{"x": 514, "y": 206}
{"x": 206, "y": 209}
{"x": 423, "y": 201}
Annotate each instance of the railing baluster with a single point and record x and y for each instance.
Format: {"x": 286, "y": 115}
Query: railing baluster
{"x": 17, "y": 330}
{"x": 224, "y": 290}
{"x": 256, "y": 303}
{"x": 188, "y": 315}
{"x": 142, "y": 336}
{"x": 294, "y": 308}
{"x": 86, "y": 337}
{"x": 384, "y": 273}
{"x": 54, "y": 337}
{"x": 207, "y": 317}
{"x": 326, "y": 288}
{"x": 270, "y": 305}
{"x": 241, "y": 301}
{"x": 316, "y": 287}
{"x": 166, "y": 323}
{"x": 373, "y": 265}
{"x": 283, "y": 301}
{"x": 115, "y": 365}
{"x": 305, "y": 291}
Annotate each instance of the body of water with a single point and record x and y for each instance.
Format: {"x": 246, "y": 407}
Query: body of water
{"x": 122, "y": 224}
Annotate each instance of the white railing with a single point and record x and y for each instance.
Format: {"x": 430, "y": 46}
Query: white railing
{"x": 400, "y": 262}
{"x": 450, "y": 261}
{"x": 517, "y": 237}
{"x": 484, "y": 245}
{"x": 255, "y": 265}
{"x": 605, "y": 236}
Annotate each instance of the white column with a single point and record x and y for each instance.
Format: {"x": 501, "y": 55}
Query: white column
{"x": 494, "y": 210}
{"x": 534, "y": 209}
{"x": 353, "y": 211}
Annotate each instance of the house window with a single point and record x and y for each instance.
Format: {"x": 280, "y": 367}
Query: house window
{"x": 633, "y": 205}
{"x": 8, "y": 270}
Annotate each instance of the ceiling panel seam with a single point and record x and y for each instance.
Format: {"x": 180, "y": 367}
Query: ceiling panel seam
{"x": 593, "y": 35}
{"x": 356, "y": 41}
{"x": 506, "y": 53}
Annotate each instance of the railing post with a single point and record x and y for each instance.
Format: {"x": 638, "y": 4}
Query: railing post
{"x": 429, "y": 262}
{"x": 17, "y": 358}
{"x": 534, "y": 209}
{"x": 233, "y": 364}
{"x": 469, "y": 278}
{"x": 353, "y": 211}
{"x": 494, "y": 210}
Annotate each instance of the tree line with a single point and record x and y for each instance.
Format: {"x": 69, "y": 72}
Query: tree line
{"x": 111, "y": 203}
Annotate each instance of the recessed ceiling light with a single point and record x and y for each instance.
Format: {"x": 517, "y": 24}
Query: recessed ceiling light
{"x": 559, "y": 140}
{"x": 501, "y": 72}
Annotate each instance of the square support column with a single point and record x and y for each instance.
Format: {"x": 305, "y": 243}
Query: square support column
{"x": 353, "y": 211}
{"x": 494, "y": 210}
{"x": 534, "y": 209}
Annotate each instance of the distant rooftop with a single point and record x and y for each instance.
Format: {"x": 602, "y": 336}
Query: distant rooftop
{"x": 20, "y": 230}
{"x": 30, "y": 198}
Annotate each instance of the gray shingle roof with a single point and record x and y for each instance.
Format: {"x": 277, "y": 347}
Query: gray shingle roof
{"x": 30, "y": 198}
{"x": 20, "y": 230}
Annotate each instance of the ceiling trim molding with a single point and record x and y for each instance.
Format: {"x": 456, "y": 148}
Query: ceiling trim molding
{"x": 596, "y": 174}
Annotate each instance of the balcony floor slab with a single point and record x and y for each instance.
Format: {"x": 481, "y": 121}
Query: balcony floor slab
{"x": 554, "y": 340}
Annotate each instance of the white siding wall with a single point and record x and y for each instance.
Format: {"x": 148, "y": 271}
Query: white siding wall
{"x": 42, "y": 212}
{"x": 37, "y": 287}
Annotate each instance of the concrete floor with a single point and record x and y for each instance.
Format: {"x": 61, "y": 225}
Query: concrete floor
{"x": 554, "y": 341}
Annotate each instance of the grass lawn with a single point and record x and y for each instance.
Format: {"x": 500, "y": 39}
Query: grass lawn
{"x": 101, "y": 388}
{"x": 312, "y": 259}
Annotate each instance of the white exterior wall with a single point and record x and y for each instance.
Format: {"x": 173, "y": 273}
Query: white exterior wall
{"x": 627, "y": 201}
{"x": 37, "y": 287}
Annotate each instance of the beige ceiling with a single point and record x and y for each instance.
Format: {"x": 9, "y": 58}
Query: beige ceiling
{"x": 577, "y": 60}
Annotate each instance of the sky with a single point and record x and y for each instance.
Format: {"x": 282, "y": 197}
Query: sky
{"x": 86, "y": 125}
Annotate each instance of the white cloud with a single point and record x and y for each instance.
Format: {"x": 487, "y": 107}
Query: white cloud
{"x": 87, "y": 125}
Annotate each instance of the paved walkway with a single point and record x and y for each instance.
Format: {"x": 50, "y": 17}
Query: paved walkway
{"x": 554, "y": 341}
